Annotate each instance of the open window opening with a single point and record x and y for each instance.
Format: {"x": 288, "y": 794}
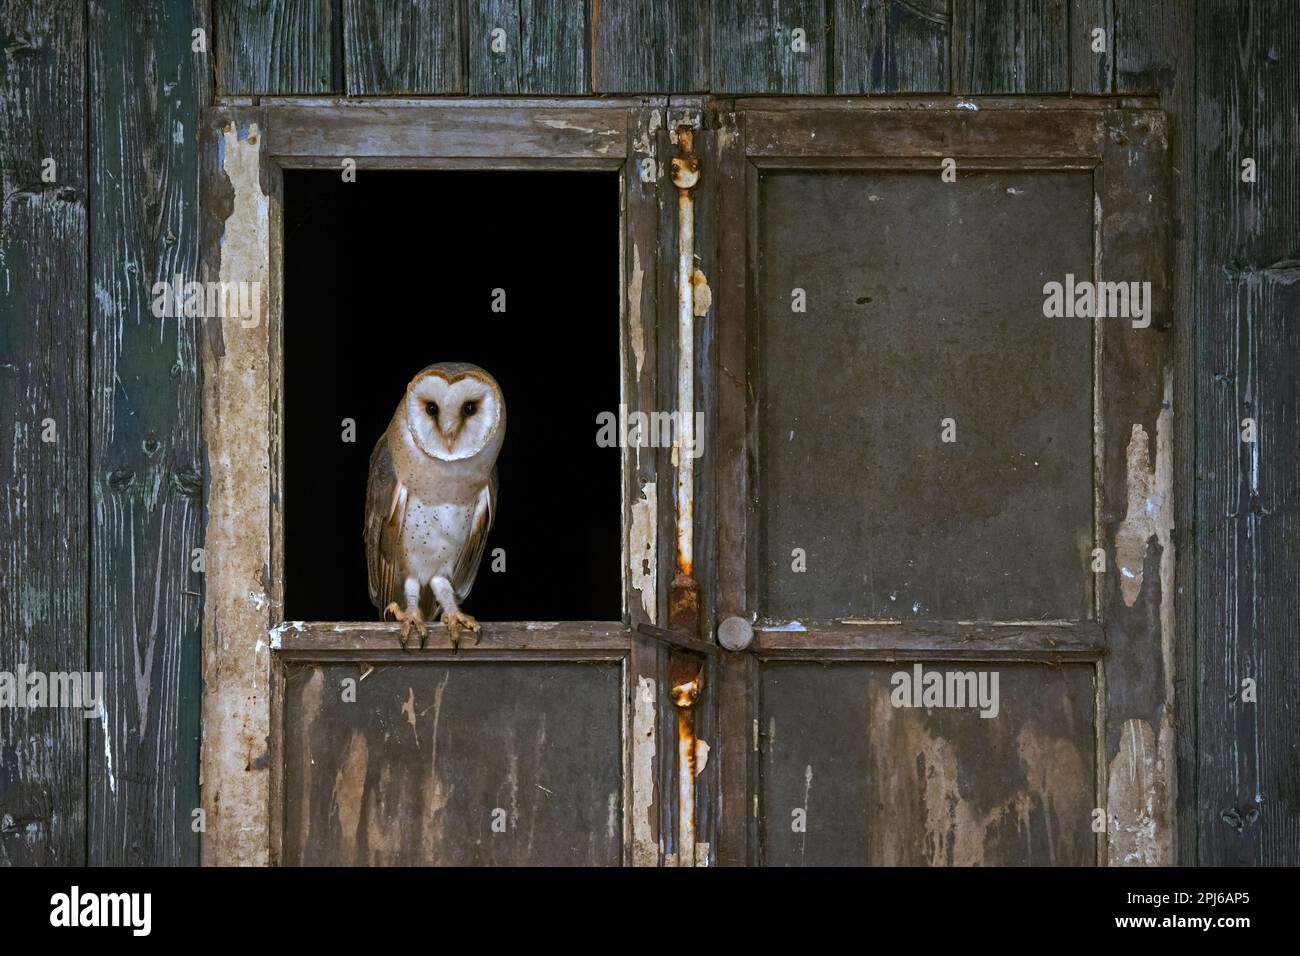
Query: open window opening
{"x": 515, "y": 272}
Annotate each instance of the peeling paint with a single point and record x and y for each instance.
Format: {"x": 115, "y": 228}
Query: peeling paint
{"x": 565, "y": 124}
{"x": 1137, "y": 793}
{"x": 236, "y": 394}
{"x": 644, "y": 142}
{"x": 703, "y": 297}
{"x": 349, "y": 789}
{"x": 1150, "y": 510}
{"x": 642, "y": 556}
{"x": 636, "y": 331}
{"x": 108, "y": 750}
{"x": 645, "y": 848}
{"x": 408, "y": 711}
{"x": 726, "y": 132}
{"x": 789, "y": 626}
{"x": 955, "y": 829}
{"x": 276, "y": 634}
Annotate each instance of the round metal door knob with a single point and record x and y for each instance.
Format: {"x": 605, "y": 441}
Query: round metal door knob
{"x": 735, "y": 634}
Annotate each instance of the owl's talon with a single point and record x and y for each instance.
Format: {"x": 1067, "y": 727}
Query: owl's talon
{"x": 457, "y": 621}
{"x": 411, "y": 621}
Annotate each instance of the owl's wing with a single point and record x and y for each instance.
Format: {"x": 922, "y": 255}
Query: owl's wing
{"x": 385, "y": 513}
{"x": 472, "y": 554}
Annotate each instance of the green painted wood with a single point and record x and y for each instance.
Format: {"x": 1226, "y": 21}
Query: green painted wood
{"x": 1247, "y": 495}
{"x": 543, "y": 47}
{"x": 891, "y": 46}
{"x": 145, "y": 446}
{"x": 649, "y": 46}
{"x": 273, "y": 46}
{"x": 1091, "y": 69}
{"x": 44, "y": 525}
{"x": 1154, "y": 52}
{"x": 1010, "y": 46}
{"x": 396, "y": 47}
{"x": 754, "y": 46}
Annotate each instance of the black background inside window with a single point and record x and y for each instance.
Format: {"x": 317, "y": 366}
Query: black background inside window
{"x": 395, "y": 271}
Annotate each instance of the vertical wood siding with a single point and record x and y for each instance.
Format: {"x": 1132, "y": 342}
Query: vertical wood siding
{"x": 146, "y": 475}
{"x": 1246, "y": 358}
{"x": 545, "y": 47}
{"x": 273, "y": 46}
{"x": 1010, "y": 46}
{"x": 1153, "y": 52}
{"x": 891, "y": 46}
{"x": 44, "y": 383}
{"x": 399, "y": 46}
{"x": 648, "y": 46}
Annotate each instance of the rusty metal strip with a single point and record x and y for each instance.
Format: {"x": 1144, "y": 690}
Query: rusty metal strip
{"x": 686, "y": 174}
{"x": 684, "y": 695}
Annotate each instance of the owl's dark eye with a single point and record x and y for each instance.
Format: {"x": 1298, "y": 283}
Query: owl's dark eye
{"x": 431, "y": 408}
{"x": 469, "y": 408}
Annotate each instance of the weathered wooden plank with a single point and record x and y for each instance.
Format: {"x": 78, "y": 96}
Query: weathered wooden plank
{"x": 571, "y": 637}
{"x": 541, "y": 47}
{"x": 146, "y": 475}
{"x": 446, "y": 763}
{"x": 994, "y": 524}
{"x": 851, "y": 778}
{"x": 1083, "y": 640}
{"x": 44, "y": 525}
{"x": 273, "y": 46}
{"x": 300, "y": 134}
{"x": 1010, "y": 46}
{"x": 241, "y": 202}
{"x": 891, "y": 46}
{"x": 1248, "y": 312}
{"x": 1091, "y": 68}
{"x": 403, "y": 46}
{"x": 646, "y": 487}
{"x": 770, "y": 47}
{"x": 731, "y": 456}
{"x": 649, "y": 46}
{"x": 1154, "y": 49}
{"x": 1135, "y": 495}
{"x": 827, "y": 134}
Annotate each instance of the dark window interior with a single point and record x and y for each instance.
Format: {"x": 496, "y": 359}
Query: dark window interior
{"x": 395, "y": 271}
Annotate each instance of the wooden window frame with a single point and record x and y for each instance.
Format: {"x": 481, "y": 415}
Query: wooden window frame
{"x": 1131, "y": 386}
{"x": 247, "y": 147}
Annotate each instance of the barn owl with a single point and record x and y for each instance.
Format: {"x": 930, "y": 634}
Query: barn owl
{"x": 431, "y": 497}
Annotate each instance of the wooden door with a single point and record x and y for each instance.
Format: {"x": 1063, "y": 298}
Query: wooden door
{"x": 944, "y": 515}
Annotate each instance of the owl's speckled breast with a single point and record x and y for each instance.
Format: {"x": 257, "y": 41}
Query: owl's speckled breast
{"x": 442, "y": 497}
{"x": 433, "y": 536}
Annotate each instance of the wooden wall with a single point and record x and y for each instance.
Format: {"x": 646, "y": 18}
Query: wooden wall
{"x": 97, "y": 527}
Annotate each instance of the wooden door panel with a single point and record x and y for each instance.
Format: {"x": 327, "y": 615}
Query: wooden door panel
{"x": 1034, "y": 545}
{"x": 849, "y": 779}
{"x": 431, "y": 755}
{"x": 924, "y": 303}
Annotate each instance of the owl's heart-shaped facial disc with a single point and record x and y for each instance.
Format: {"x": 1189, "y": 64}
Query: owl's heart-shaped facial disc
{"x": 453, "y": 417}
